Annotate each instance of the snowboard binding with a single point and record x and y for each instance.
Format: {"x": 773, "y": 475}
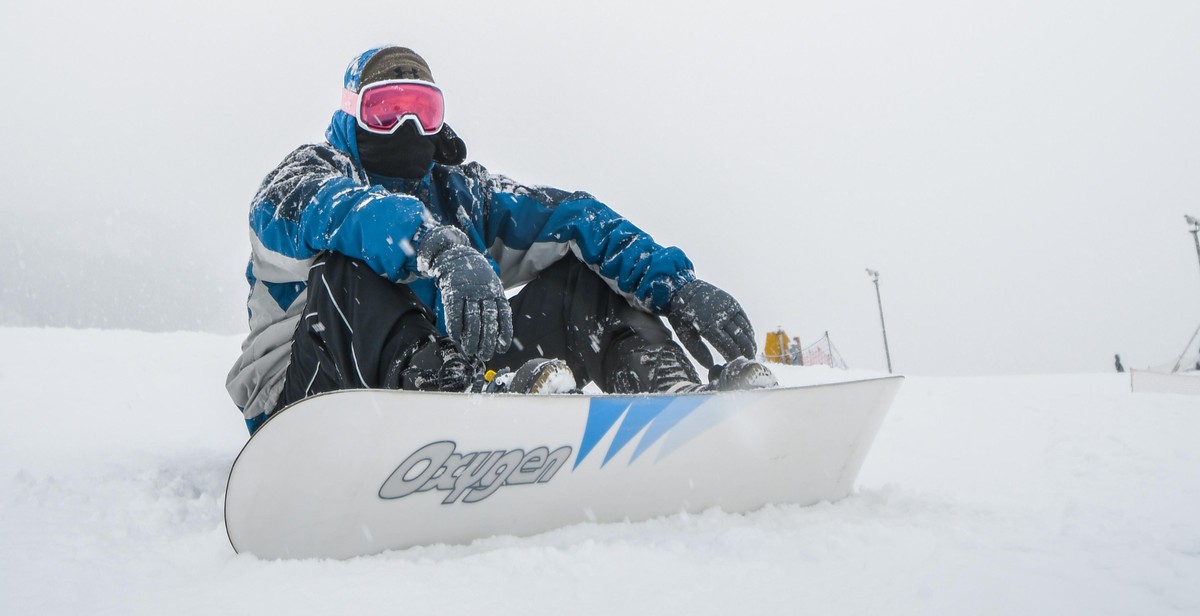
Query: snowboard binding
{"x": 536, "y": 376}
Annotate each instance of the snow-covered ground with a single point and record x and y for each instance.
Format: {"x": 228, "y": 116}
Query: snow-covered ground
{"x": 1013, "y": 495}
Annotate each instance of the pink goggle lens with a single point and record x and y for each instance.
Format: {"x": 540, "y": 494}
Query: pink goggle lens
{"x": 384, "y": 105}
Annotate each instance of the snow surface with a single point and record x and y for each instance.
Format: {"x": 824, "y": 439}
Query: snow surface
{"x": 1001, "y": 495}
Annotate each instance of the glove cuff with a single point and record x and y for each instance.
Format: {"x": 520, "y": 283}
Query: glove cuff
{"x": 434, "y": 242}
{"x": 684, "y": 294}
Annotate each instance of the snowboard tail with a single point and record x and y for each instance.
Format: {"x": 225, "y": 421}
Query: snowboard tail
{"x": 358, "y": 472}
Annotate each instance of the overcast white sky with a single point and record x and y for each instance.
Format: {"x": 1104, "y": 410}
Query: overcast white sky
{"x": 1017, "y": 171}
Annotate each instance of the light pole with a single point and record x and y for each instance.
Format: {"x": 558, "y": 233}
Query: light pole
{"x": 1195, "y": 231}
{"x": 1191, "y": 220}
{"x": 875, "y": 278}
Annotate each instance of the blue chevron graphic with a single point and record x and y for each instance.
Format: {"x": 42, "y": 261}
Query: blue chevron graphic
{"x": 636, "y": 418}
{"x": 669, "y": 417}
{"x": 651, "y": 416}
{"x": 602, "y": 414}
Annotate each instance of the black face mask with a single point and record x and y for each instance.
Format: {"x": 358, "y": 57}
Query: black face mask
{"x": 402, "y": 154}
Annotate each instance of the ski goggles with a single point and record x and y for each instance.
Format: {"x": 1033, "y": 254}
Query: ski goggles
{"x": 381, "y": 107}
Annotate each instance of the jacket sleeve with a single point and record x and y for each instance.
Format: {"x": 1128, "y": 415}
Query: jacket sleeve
{"x": 316, "y": 201}
{"x": 530, "y": 227}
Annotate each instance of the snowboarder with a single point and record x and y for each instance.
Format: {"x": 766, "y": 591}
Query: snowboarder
{"x": 380, "y": 260}
{"x": 1120, "y": 367}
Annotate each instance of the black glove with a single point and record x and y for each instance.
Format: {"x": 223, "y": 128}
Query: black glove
{"x": 702, "y": 310}
{"x": 478, "y": 317}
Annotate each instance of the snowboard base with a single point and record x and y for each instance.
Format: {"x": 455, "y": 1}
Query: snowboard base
{"x": 359, "y": 472}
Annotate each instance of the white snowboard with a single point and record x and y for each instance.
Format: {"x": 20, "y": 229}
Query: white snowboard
{"x": 362, "y": 471}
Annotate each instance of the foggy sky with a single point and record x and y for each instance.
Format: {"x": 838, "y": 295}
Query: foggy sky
{"x": 1018, "y": 172}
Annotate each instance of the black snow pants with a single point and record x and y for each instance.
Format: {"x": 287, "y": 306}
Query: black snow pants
{"x": 358, "y": 328}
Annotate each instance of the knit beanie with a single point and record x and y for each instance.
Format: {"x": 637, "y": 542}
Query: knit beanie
{"x": 396, "y": 63}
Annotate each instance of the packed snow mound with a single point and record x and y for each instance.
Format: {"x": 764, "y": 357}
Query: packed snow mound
{"x": 1014, "y": 495}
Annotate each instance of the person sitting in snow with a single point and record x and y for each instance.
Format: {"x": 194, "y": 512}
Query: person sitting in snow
{"x": 380, "y": 260}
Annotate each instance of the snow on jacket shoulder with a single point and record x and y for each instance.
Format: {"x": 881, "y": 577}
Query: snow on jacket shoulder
{"x": 318, "y": 199}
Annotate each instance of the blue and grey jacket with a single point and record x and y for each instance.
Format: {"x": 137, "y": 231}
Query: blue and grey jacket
{"x": 321, "y": 199}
